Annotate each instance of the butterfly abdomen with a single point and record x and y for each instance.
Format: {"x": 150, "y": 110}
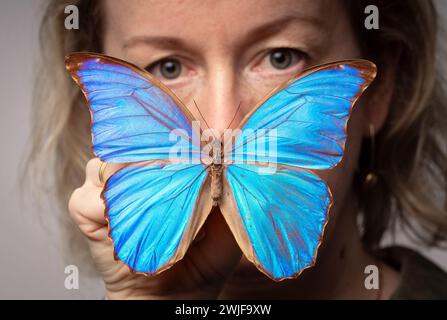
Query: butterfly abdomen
{"x": 216, "y": 183}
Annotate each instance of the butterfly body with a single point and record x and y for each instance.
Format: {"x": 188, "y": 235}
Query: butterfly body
{"x": 216, "y": 170}
{"x": 157, "y": 203}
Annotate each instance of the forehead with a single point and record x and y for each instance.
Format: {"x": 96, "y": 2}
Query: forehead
{"x": 198, "y": 18}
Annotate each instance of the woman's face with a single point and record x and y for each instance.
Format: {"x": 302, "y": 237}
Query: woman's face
{"x": 224, "y": 52}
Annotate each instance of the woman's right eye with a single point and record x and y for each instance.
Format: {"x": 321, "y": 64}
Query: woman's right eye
{"x": 166, "y": 69}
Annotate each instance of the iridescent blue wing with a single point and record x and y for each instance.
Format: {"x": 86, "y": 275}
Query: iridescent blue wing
{"x": 153, "y": 214}
{"x": 307, "y": 117}
{"x": 281, "y": 217}
{"x": 278, "y": 217}
{"x": 133, "y": 115}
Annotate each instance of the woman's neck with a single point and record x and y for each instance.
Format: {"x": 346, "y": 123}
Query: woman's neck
{"x": 338, "y": 274}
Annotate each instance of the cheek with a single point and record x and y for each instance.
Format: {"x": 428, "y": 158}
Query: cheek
{"x": 252, "y": 90}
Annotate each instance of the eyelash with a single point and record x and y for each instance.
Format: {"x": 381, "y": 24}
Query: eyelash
{"x": 299, "y": 56}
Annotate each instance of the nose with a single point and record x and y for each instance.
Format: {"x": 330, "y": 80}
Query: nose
{"x": 219, "y": 97}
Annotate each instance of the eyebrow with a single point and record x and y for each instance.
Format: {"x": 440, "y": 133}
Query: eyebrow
{"x": 155, "y": 41}
{"x": 261, "y": 32}
{"x": 271, "y": 28}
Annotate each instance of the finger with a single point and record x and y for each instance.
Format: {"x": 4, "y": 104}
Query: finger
{"x": 87, "y": 206}
{"x": 88, "y": 215}
{"x": 92, "y": 171}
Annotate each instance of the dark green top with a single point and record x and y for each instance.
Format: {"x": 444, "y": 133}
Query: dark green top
{"x": 420, "y": 278}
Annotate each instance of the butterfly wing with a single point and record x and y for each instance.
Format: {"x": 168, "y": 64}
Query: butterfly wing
{"x": 309, "y": 114}
{"x": 154, "y": 206}
{"x": 133, "y": 114}
{"x": 281, "y": 217}
{"x": 281, "y": 214}
{"x": 152, "y": 213}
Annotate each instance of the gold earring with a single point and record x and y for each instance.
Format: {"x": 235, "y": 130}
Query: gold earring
{"x": 371, "y": 177}
{"x": 102, "y": 169}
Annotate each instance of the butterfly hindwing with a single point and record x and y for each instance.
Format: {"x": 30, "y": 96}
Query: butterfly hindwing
{"x": 152, "y": 213}
{"x": 283, "y": 215}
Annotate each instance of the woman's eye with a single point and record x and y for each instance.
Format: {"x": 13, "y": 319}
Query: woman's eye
{"x": 168, "y": 69}
{"x": 282, "y": 58}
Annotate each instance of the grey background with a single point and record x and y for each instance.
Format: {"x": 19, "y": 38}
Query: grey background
{"x": 31, "y": 265}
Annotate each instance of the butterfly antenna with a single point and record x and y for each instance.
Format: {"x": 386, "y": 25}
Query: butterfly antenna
{"x": 234, "y": 117}
{"x": 203, "y": 118}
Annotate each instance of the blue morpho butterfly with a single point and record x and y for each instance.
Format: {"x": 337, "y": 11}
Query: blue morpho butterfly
{"x": 156, "y": 205}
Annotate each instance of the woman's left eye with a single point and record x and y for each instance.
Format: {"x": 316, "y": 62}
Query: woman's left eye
{"x": 281, "y": 59}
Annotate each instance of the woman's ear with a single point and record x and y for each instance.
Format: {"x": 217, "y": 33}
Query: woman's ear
{"x": 380, "y": 94}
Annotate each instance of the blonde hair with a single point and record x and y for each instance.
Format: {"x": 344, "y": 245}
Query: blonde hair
{"x": 409, "y": 157}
